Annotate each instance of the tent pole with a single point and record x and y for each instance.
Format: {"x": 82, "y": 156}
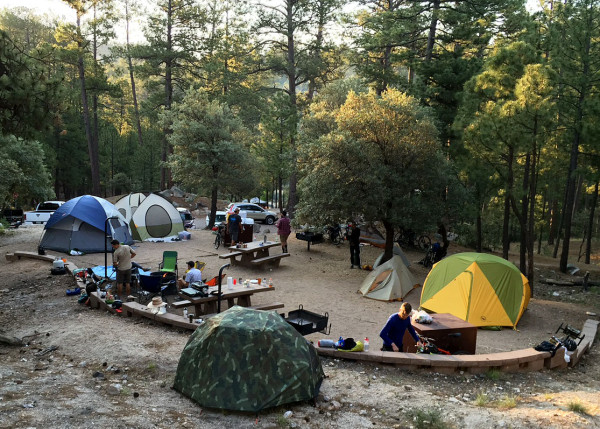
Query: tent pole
{"x": 219, "y": 290}
{"x": 105, "y": 247}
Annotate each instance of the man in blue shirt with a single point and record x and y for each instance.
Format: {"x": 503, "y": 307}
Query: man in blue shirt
{"x": 193, "y": 275}
{"x": 393, "y": 331}
{"x": 233, "y": 225}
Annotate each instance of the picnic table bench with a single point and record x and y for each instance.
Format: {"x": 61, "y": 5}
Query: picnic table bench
{"x": 254, "y": 254}
{"x": 272, "y": 260}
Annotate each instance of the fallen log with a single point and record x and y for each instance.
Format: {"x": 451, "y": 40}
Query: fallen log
{"x": 574, "y": 282}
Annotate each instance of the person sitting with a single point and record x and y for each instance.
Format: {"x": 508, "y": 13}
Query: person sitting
{"x": 192, "y": 275}
{"x": 393, "y": 331}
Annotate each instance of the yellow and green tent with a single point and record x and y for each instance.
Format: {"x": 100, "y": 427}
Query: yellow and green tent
{"x": 482, "y": 289}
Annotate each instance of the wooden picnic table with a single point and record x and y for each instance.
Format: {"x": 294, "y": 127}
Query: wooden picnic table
{"x": 238, "y": 295}
{"x": 254, "y": 254}
{"x": 447, "y": 331}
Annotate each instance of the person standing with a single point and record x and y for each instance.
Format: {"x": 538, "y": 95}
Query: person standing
{"x": 393, "y": 331}
{"x": 122, "y": 255}
{"x": 192, "y": 275}
{"x": 234, "y": 224}
{"x": 354, "y": 240}
{"x": 284, "y": 230}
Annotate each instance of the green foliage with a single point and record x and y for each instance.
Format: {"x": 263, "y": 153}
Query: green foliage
{"x": 28, "y": 97}
{"x": 577, "y": 407}
{"x": 428, "y": 419}
{"x": 24, "y": 176}
{"x": 381, "y": 162}
{"x": 208, "y": 147}
{"x": 493, "y": 374}
{"x": 482, "y": 400}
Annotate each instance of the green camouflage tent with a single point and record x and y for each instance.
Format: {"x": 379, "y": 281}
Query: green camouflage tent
{"x": 248, "y": 360}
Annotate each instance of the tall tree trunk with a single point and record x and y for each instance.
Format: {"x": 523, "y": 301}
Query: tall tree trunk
{"x": 531, "y": 216}
{"x": 432, "y": 31}
{"x": 571, "y": 182}
{"x": 165, "y": 177}
{"x": 389, "y": 241}
{"x": 92, "y": 147}
{"x": 136, "y": 110}
{"x": 291, "y": 74}
{"x": 95, "y": 132}
{"x": 523, "y": 251}
{"x": 590, "y": 228}
{"x": 554, "y": 222}
{"x": 478, "y": 245}
{"x": 508, "y": 196}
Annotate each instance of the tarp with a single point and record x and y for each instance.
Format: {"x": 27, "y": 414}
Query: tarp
{"x": 248, "y": 360}
{"x": 390, "y": 281}
{"x": 482, "y": 289}
{"x": 79, "y": 225}
{"x": 150, "y": 216}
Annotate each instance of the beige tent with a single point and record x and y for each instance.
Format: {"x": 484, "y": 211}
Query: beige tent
{"x": 397, "y": 251}
{"x": 390, "y": 281}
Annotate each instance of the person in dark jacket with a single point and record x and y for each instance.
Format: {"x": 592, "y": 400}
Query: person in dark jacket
{"x": 393, "y": 331}
{"x": 284, "y": 230}
{"x": 234, "y": 224}
{"x": 354, "y": 240}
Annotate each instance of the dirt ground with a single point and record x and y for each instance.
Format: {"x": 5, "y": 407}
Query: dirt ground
{"x": 87, "y": 368}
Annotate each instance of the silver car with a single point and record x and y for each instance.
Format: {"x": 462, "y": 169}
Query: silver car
{"x": 256, "y": 212}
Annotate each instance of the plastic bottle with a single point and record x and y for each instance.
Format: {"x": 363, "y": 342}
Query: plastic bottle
{"x": 326, "y": 343}
{"x": 185, "y": 312}
{"x": 270, "y": 281}
{"x": 366, "y": 344}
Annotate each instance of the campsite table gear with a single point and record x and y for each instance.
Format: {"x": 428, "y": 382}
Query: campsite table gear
{"x": 306, "y": 322}
{"x": 447, "y": 331}
{"x": 326, "y": 343}
{"x": 239, "y": 295}
{"x": 255, "y": 250}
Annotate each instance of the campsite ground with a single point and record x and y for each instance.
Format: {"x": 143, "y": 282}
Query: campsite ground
{"x": 87, "y": 368}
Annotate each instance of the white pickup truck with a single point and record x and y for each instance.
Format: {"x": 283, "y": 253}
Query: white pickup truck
{"x": 42, "y": 212}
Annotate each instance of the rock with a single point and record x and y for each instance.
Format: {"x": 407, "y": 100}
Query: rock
{"x": 453, "y": 399}
{"x": 82, "y": 364}
{"x": 335, "y": 405}
{"x": 98, "y": 374}
{"x": 407, "y": 387}
{"x": 363, "y": 412}
{"x": 288, "y": 414}
{"x": 114, "y": 389}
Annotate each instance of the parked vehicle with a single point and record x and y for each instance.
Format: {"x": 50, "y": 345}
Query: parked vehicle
{"x": 14, "y": 217}
{"x": 42, "y": 212}
{"x": 219, "y": 218}
{"x": 256, "y": 212}
{"x": 186, "y": 217}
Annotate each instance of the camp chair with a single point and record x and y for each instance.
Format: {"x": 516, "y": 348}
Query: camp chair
{"x": 200, "y": 265}
{"x": 215, "y": 280}
{"x": 169, "y": 262}
{"x": 157, "y": 283}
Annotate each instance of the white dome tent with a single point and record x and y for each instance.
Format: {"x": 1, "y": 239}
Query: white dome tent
{"x": 150, "y": 216}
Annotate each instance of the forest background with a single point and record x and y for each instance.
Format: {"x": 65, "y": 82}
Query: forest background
{"x": 420, "y": 115}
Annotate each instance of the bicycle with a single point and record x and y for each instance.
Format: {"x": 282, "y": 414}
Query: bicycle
{"x": 428, "y": 346}
{"x": 408, "y": 238}
{"x": 219, "y": 232}
{"x": 334, "y": 233}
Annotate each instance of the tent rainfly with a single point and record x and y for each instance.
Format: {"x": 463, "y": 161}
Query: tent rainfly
{"x": 150, "y": 216}
{"x": 79, "y": 224}
{"x": 248, "y": 360}
{"x": 390, "y": 281}
{"x": 482, "y": 289}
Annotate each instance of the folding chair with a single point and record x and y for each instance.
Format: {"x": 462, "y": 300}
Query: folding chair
{"x": 157, "y": 283}
{"x": 169, "y": 262}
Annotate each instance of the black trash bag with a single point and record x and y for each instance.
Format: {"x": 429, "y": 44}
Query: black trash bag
{"x": 547, "y": 346}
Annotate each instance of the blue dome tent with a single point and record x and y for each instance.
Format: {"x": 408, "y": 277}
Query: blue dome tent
{"x": 79, "y": 224}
